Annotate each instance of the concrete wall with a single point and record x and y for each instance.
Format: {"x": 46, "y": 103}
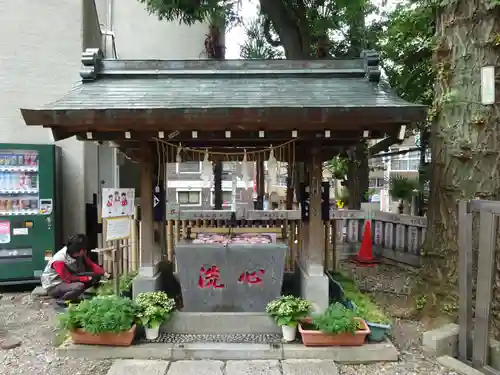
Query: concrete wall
{"x": 142, "y": 36}
{"x": 41, "y": 44}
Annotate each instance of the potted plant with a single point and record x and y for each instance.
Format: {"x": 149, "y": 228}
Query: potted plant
{"x": 155, "y": 309}
{"x": 103, "y": 320}
{"x": 365, "y": 308}
{"x": 337, "y": 326}
{"x": 288, "y": 311}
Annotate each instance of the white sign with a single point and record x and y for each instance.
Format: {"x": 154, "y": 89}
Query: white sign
{"x": 117, "y": 202}
{"x": 488, "y": 85}
{"x": 117, "y": 228}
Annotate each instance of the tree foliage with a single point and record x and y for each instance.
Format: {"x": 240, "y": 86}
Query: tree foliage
{"x": 255, "y": 45}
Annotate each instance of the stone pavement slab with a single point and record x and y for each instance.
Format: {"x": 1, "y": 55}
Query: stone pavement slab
{"x": 138, "y": 367}
{"x": 309, "y": 367}
{"x": 203, "y": 367}
{"x": 255, "y": 367}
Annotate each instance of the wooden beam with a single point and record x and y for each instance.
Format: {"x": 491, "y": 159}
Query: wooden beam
{"x": 213, "y": 119}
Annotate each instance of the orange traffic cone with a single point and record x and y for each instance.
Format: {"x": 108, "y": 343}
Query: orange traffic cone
{"x": 364, "y": 258}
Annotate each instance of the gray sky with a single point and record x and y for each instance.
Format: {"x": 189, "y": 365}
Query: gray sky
{"x": 236, "y": 36}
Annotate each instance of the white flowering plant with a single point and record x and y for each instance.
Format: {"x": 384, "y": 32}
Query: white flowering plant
{"x": 288, "y": 310}
{"x": 154, "y": 308}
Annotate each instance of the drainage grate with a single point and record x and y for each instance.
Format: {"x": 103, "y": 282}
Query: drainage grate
{"x": 237, "y": 338}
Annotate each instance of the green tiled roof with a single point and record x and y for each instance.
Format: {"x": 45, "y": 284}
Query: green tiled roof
{"x": 191, "y": 86}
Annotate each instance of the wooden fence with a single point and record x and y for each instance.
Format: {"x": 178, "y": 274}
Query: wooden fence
{"x": 478, "y": 267}
{"x": 395, "y": 237}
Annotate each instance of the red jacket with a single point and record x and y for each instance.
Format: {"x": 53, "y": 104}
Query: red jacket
{"x": 66, "y": 275}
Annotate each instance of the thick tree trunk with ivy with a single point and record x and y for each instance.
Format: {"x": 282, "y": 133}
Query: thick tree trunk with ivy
{"x": 465, "y": 139}
{"x": 357, "y": 176}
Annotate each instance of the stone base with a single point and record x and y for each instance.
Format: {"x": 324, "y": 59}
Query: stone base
{"x": 144, "y": 284}
{"x": 369, "y": 353}
{"x": 457, "y": 366}
{"x": 315, "y": 288}
{"x": 208, "y": 323}
{"x": 443, "y": 341}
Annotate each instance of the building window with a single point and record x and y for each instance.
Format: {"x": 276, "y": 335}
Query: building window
{"x": 375, "y": 183}
{"x": 282, "y": 180}
{"x": 189, "y": 198}
{"x": 227, "y": 198}
{"x": 407, "y": 162}
{"x": 229, "y": 166}
{"x": 189, "y": 167}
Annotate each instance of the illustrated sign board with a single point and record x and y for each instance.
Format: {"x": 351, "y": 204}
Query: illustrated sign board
{"x": 117, "y": 202}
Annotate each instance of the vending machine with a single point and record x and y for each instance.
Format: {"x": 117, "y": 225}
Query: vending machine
{"x": 30, "y": 221}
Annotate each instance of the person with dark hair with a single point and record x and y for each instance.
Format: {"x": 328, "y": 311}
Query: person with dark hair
{"x": 70, "y": 272}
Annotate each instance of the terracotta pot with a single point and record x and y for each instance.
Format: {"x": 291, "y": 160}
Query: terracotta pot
{"x": 79, "y": 336}
{"x": 318, "y": 338}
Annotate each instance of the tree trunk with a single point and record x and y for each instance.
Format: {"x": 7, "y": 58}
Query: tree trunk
{"x": 291, "y": 25}
{"x": 357, "y": 177}
{"x": 464, "y": 135}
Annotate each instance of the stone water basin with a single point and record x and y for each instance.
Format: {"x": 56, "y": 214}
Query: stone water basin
{"x": 237, "y": 274}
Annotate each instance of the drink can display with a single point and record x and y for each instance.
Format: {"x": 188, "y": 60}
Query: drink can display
{"x": 34, "y": 159}
{"x": 33, "y": 204}
{"x": 20, "y": 159}
{"x": 34, "y": 181}
{"x": 21, "y": 180}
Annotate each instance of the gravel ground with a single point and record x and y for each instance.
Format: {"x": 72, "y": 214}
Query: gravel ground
{"x": 32, "y": 321}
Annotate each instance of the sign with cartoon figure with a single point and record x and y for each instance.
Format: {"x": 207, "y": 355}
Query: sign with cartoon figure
{"x": 117, "y": 202}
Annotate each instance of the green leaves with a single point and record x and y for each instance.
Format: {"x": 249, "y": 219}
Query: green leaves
{"x": 403, "y": 188}
{"x": 101, "y": 314}
{"x": 288, "y": 310}
{"x": 219, "y": 12}
{"x": 336, "y": 319}
{"x": 106, "y": 288}
{"x": 154, "y": 308}
{"x": 256, "y": 46}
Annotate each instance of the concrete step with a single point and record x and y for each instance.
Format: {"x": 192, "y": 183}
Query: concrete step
{"x": 220, "y": 323}
{"x": 269, "y": 367}
{"x": 369, "y": 353}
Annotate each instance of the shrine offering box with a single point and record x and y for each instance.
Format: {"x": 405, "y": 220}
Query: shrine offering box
{"x": 232, "y": 277}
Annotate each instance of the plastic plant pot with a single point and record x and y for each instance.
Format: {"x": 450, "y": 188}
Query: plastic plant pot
{"x": 378, "y": 331}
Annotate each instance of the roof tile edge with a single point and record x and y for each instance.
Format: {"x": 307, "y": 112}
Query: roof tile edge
{"x": 92, "y": 63}
{"x": 372, "y": 65}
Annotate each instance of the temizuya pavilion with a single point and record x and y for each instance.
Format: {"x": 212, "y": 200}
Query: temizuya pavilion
{"x": 327, "y": 105}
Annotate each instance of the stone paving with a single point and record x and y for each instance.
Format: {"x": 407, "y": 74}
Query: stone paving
{"x": 207, "y": 367}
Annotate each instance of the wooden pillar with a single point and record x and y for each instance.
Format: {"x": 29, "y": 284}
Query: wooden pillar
{"x": 163, "y": 224}
{"x": 218, "y": 185}
{"x": 261, "y": 185}
{"x": 147, "y": 256}
{"x": 314, "y": 283}
{"x": 289, "y": 186}
{"x": 316, "y": 240}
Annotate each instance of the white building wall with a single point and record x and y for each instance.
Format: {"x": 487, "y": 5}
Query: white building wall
{"x": 41, "y": 43}
{"x": 40, "y": 54}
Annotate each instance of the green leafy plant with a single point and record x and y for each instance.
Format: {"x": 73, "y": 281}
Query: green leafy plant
{"x": 106, "y": 288}
{"x": 365, "y": 308}
{"x": 288, "y": 310}
{"x": 337, "y": 319}
{"x": 403, "y": 188}
{"x": 102, "y": 314}
{"x": 155, "y": 308}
